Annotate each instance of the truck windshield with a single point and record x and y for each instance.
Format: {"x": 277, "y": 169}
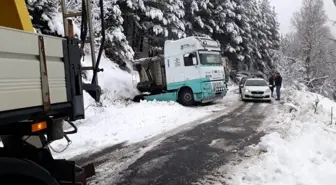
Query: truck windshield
{"x": 213, "y": 58}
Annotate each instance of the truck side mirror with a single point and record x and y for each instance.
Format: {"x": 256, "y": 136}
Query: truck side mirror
{"x": 194, "y": 61}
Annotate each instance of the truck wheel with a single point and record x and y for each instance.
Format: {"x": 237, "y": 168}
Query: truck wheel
{"x": 18, "y": 179}
{"x": 186, "y": 97}
{"x": 138, "y": 98}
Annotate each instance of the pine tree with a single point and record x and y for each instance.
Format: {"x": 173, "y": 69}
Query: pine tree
{"x": 275, "y": 27}
{"x": 231, "y": 21}
{"x": 198, "y": 18}
{"x": 116, "y": 46}
{"x": 153, "y": 21}
{"x": 44, "y": 14}
{"x": 251, "y": 33}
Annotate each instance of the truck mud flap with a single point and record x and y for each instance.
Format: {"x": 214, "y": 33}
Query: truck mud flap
{"x": 84, "y": 172}
{"x": 89, "y": 170}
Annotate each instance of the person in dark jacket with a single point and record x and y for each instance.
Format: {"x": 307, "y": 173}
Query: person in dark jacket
{"x": 278, "y": 83}
{"x": 271, "y": 83}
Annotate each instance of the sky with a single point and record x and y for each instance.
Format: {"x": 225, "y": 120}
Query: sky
{"x": 286, "y": 8}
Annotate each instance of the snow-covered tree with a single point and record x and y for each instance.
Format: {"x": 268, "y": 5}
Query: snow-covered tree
{"x": 116, "y": 46}
{"x": 45, "y": 16}
{"x": 151, "y": 22}
{"x": 310, "y": 24}
{"x": 198, "y": 17}
{"x": 310, "y": 50}
{"x": 259, "y": 30}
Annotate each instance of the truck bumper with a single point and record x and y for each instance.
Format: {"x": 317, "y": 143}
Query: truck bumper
{"x": 206, "y": 97}
{"x": 211, "y": 91}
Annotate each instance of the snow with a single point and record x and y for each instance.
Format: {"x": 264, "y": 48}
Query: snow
{"x": 106, "y": 175}
{"x": 155, "y": 13}
{"x": 55, "y": 24}
{"x": 116, "y": 34}
{"x": 298, "y": 149}
{"x": 106, "y": 126}
{"x": 230, "y": 28}
{"x": 117, "y": 120}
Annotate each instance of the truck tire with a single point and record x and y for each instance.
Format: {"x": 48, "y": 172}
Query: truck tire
{"x": 186, "y": 97}
{"x": 19, "y": 179}
{"x": 24, "y": 171}
{"x": 138, "y": 98}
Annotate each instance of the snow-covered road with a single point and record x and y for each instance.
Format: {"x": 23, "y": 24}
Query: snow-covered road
{"x": 182, "y": 157}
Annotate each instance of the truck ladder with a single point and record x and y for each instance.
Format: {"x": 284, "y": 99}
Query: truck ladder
{"x": 68, "y": 29}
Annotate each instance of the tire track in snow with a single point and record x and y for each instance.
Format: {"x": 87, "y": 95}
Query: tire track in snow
{"x": 120, "y": 156}
{"x": 220, "y": 175}
{"x": 124, "y": 149}
{"x": 190, "y": 155}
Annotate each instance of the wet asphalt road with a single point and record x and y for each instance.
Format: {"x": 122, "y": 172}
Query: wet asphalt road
{"x": 190, "y": 155}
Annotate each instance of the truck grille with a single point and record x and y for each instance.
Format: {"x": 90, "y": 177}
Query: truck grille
{"x": 218, "y": 86}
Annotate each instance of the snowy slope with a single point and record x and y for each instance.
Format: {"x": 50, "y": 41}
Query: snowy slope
{"x": 299, "y": 149}
{"x": 118, "y": 120}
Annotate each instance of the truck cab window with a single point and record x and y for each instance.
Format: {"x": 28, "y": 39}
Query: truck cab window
{"x": 188, "y": 59}
{"x": 210, "y": 58}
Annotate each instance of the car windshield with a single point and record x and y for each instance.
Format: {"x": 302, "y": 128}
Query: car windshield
{"x": 210, "y": 58}
{"x": 255, "y": 83}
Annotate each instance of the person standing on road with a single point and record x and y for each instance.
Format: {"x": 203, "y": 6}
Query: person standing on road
{"x": 271, "y": 83}
{"x": 278, "y": 83}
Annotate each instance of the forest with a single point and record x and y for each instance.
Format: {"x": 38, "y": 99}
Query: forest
{"x": 248, "y": 31}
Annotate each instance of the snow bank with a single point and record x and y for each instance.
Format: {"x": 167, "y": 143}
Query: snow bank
{"x": 299, "y": 149}
{"x": 116, "y": 84}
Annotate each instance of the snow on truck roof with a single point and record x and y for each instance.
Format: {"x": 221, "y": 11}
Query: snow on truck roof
{"x": 192, "y": 39}
{"x": 190, "y": 44}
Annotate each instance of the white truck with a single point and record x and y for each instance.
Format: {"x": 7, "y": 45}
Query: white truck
{"x": 191, "y": 71}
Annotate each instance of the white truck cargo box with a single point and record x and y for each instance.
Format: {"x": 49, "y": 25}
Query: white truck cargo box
{"x": 20, "y": 70}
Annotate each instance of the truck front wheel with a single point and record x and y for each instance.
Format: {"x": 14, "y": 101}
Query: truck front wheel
{"x": 186, "y": 97}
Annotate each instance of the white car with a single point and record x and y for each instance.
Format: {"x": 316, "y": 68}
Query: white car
{"x": 255, "y": 89}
